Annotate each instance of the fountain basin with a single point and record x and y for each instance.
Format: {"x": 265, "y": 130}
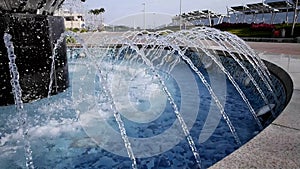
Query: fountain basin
{"x": 79, "y": 124}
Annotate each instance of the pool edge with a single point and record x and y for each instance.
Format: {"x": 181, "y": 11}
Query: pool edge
{"x": 277, "y": 146}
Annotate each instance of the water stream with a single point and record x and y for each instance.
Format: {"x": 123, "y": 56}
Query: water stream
{"x": 106, "y": 92}
{"x": 153, "y": 61}
{"x": 17, "y": 92}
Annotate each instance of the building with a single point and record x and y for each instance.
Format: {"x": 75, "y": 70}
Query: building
{"x": 72, "y": 20}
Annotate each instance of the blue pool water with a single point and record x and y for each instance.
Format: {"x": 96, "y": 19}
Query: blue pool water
{"x": 76, "y": 129}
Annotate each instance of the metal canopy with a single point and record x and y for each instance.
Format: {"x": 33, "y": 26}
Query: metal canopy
{"x": 204, "y": 14}
{"x": 268, "y": 7}
{"x": 261, "y": 8}
{"x": 239, "y": 8}
{"x": 282, "y": 6}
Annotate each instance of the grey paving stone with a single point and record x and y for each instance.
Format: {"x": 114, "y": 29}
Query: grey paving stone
{"x": 278, "y": 146}
{"x": 275, "y": 147}
{"x": 290, "y": 117}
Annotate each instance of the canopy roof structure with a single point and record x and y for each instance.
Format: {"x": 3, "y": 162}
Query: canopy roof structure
{"x": 204, "y": 14}
{"x": 261, "y": 8}
{"x": 255, "y": 8}
{"x": 282, "y": 6}
{"x": 267, "y": 7}
{"x": 241, "y": 8}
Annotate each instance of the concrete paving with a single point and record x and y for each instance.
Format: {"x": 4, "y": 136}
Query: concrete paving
{"x": 278, "y": 146}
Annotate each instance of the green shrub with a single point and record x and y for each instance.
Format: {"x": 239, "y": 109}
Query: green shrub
{"x": 83, "y": 30}
{"x": 76, "y": 30}
{"x": 244, "y": 30}
{"x": 70, "y": 40}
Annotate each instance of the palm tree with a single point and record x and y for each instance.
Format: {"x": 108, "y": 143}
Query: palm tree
{"x": 97, "y": 12}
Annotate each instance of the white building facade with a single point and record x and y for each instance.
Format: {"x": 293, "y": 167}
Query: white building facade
{"x": 72, "y": 20}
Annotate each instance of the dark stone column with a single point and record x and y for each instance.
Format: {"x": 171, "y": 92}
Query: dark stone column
{"x": 33, "y": 37}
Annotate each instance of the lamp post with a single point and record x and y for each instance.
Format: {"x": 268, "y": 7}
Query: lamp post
{"x": 154, "y": 24}
{"x": 180, "y": 15}
{"x": 144, "y": 4}
{"x": 295, "y": 17}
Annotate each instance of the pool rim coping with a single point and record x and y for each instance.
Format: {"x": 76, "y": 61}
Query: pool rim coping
{"x": 253, "y": 147}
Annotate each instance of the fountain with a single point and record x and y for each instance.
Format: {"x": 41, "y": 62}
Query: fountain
{"x": 34, "y": 31}
{"x": 163, "y": 99}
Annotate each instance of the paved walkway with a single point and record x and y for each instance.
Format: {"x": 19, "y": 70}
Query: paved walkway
{"x": 276, "y": 48}
{"x": 278, "y": 146}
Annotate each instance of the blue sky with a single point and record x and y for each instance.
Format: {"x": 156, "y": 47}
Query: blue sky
{"x": 116, "y": 9}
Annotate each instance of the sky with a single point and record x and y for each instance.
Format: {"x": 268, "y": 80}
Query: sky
{"x": 118, "y": 10}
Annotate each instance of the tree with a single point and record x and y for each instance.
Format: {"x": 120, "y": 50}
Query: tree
{"x": 97, "y": 12}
